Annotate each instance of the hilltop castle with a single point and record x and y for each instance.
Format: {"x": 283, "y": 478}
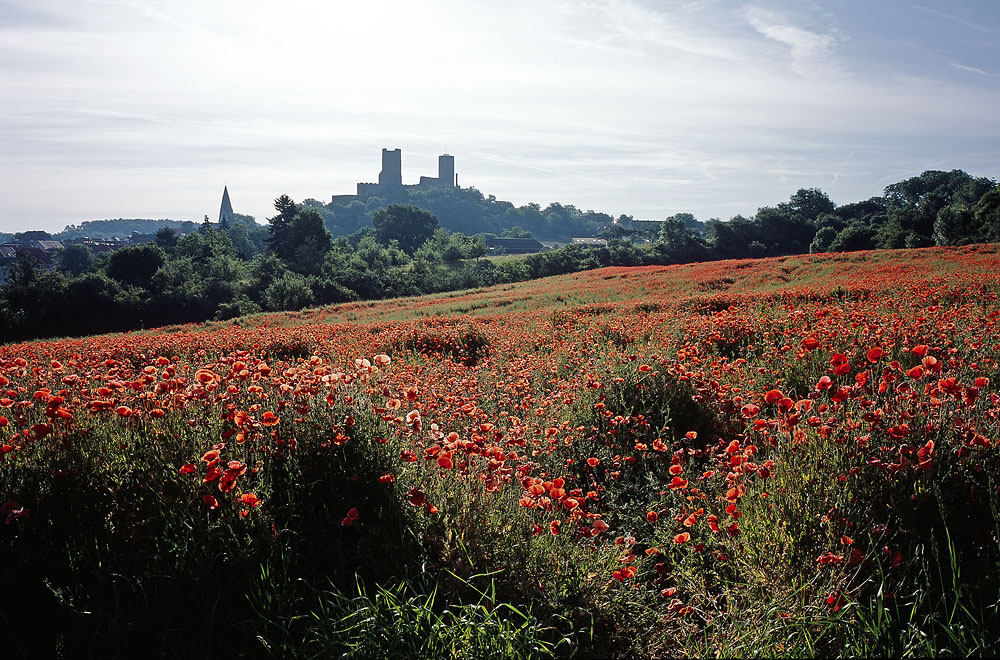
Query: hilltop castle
{"x": 390, "y": 179}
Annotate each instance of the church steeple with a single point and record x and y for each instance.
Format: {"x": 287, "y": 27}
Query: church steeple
{"x": 226, "y": 216}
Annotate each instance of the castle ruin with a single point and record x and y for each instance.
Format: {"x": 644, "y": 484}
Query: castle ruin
{"x": 390, "y": 179}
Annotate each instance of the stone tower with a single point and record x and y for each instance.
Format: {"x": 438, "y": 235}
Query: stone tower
{"x": 226, "y": 215}
{"x": 446, "y": 170}
{"x": 391, "y": 175}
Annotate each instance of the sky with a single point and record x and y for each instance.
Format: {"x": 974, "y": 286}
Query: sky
{"x": 146, "y": 109}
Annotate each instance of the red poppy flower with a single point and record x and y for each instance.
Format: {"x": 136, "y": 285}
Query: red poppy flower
{"x": 875, "y": 354}
{"x": 352, "y": 515}
{"x": 250, "y": 499}
{"x": 683, "y": 537}
{"x": 210, "y": 501}
{"x": 416, "y": 497}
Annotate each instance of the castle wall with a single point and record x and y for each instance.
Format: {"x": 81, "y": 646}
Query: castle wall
{"x": 391, "y": 177}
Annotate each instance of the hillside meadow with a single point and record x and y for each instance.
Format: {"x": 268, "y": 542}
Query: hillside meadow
{"x": 793, "y": 456}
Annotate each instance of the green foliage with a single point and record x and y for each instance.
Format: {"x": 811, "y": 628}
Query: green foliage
{"x": 287, "y": 292}
{"x": 166, "y": 238}
{"x": 135, "y": 265}
{"x": 468, "y": 211}
{"x": 680, "y": 243}
{"x": 408, "y": 225}
{"x": 400, "y": 621}
{"x": 121, "y": 228}
{"x": 241, "y": 305}
{"x": 822, "y": 240}
{"x": 853, "y": 237}
{"x": 516, "y": 232}
{"x": 190, "y": 277}
{"x": 75, "y": 259}
{"x": 248, "y": 238}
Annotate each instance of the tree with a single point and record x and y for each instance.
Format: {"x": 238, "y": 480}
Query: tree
{"x": 516, "y": 232}
{"x": 679, "y": 243}
{"x": 166, "y": 238}
{"x": 135, "y": 264}
{"x": 75, "y": 259}
{"x": 407, "y": 224}
{"x": 955, "y": 225}
{"x": 988, "y": 215}
{"x": 731, "y": 239}
{"x": 29, "y": 298}
{"x": 810, "y": 203}
{"x": 288, "y": 292}
{"x": 782, "y": 228}
{"x": 277, "y": 238}
{"x": 822, "y": 240}
{"x": 852, "y": 238}
{"x": 248, "y": 239}
{"x": 310, "y": 239}
{"x": 689, "y": 221}
{"x": 34, "y": 235}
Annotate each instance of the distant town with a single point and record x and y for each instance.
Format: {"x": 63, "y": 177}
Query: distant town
{"x": 42, "y": 247}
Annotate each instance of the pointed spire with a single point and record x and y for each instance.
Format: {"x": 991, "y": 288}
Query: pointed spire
{"x": 226, "y": 215}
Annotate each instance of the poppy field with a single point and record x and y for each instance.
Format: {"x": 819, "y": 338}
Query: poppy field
{"x": 794, "y": 456}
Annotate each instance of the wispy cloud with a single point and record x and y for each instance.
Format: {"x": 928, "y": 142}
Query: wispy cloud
{"x": 972, "y": 69}
{"x": 144, "y": 108}
{"x": 812, "y": 53}
{"x": 978, "y": 27}
{"x": 843, "y": 166}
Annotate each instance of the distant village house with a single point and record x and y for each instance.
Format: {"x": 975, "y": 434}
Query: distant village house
{"x": 513, "y": 246}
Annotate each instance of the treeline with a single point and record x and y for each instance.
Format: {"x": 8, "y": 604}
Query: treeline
{"x": 224, "y": 271}
{"x": 467, "y": 211}
{"x": 120, "y": 228}
{"x": 935, "y": 208}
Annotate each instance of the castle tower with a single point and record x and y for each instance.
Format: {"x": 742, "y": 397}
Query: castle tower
{"x": 391, "y": 175}
{"x": 226, "y": 215}
{"x": 446, "y": 171}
